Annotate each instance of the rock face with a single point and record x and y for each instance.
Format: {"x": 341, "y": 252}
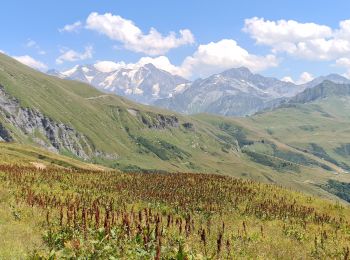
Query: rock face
{"x": 52, "y": 135}
{"x": 235, "y": 92}
{"x": 159, "y": 121}
{"x": 325, "y": 89}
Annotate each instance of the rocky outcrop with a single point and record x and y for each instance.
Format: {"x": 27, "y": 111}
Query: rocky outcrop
{"x": 52, "y": 135}
{"x": 158, "y": 121}
{"x": 4, "y": 134}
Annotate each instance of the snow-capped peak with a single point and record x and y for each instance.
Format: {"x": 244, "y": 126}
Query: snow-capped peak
{"x": 144, "y": 83}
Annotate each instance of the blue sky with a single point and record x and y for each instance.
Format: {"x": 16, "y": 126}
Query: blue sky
{"x": 286, "y": 39}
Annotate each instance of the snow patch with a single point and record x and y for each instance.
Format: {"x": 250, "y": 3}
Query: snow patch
{"x": 155, "y": 90}
{"x": 179, "y": 88}
{"x": 138, "y": 91}
{"x": 89, "y": 78}
{"x": 85, "y": 69}
{"x": 128, "y": 91}
{"x": 68, "y": 73}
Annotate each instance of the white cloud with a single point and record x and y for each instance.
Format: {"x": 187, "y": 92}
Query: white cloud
{"x": 74, "y": 27}
{"x": 287, "y": 79}
{"x": 225, "y": 54}
{"x": 108, "y": 66}
{"x": 125, "y": 31}
{"x": 345, "y": 63}
{"x": 30, "y": 43}
{"x": 206, "y": 60}
{"x": 271, "y": 32}
{"x": 71, "y": 55}
{"x": 303, "y": 78}
{"x": 162, "y": 63}
{"x": 304, "y": 40}
{"x": 1, "y": 51}
{"x": 31, "y": 62}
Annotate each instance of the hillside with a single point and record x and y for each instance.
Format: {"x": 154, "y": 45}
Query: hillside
{"x": 64, "y": 214}
{"x": 316, "y": 122}
{"x": 24, "y": 155}
{"x": 74, "y": 119}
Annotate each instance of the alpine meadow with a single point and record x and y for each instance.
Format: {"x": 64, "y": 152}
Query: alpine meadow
{"x": 183, "y": 130}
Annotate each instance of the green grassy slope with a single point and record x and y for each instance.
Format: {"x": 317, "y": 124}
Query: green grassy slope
{"x": 107, "y": 120}
{"x": 321, "y": 128}
{"x": 318, "y": 128}
{"x": 25, "y": 155}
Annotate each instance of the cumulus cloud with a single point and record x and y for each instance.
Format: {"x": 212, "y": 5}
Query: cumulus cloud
{"x": 208, "y": 59}
{"x": 306, "y": 40}
{"x": 225, "y": 54}
{"x": 125, "y": 31}
{"x": 31, "y": 62}
{"x": 345, "y": 63}
{"x": 303, "y": 78}
{"x": 160, "y": 62}
{"x": 108, "y": 66}
{"x": 71, "y": 55}
{"x": 74, "y": 27}
{"x": 1, "y": 51}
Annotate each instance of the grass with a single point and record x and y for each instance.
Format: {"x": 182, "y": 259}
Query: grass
{"x": 14, "y": 153}
{"x": 140, "y": 138}
{"x": 320, "y": 128}
{"x": 89, "y": 214}
{"x": 151, "y": 139}
{"x": 19, "y": 228}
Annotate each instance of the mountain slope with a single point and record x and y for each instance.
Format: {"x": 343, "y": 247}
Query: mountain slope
{"x": 316, "y": 121}
{"x": 323, "y": 90}
{"x": 25, "y": 155}
{"x": 331, "y": 77}
{"x": 234, "y": 92}
{"x": 74, "y": 119}
{"x": 143, "y": 84}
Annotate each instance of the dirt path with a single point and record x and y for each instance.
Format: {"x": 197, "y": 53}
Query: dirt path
{"x": 38, "y": 165}
{"x": 91, "y": 98}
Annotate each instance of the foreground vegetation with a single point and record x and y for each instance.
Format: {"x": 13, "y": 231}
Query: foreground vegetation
{"x": 110, "y": 215}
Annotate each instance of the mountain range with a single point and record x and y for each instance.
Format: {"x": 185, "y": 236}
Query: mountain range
{"x": 235, "y": 92}
{"x": 143, "y": 84}
{"x": 292, "y": 145}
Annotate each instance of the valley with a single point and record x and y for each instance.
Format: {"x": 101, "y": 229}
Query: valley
{"x": 175, "y": 130}
{"x": 88, "y": 175}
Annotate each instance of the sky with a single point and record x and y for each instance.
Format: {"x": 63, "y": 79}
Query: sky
{"x": 291, "y": 40}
